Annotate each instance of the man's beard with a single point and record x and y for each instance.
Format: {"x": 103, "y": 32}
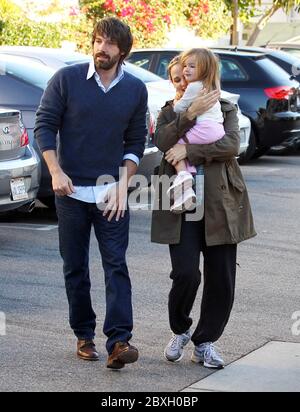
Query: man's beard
{"x": 106, "y": 64}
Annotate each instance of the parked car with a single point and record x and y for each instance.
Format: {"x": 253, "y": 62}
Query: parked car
{"x": 19, "y": 164}
{"x": 268, "y": 94}
{"x": 289, "y": 47}
{"x": 22, "y": 83}
{"x": 288, "y": 62}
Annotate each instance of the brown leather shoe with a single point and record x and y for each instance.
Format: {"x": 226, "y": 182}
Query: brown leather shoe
{"x": 122, "y": 354}
{"x": 86, "y": 350}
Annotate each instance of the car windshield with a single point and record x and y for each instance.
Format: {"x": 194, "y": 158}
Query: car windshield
{"x": 26, "y": 70}
{"x": 294, "y": 52}
{"x": 286, "y": 57}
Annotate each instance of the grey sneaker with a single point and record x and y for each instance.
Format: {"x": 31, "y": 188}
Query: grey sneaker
{"x": 207, "y": 355}
{"x": 174, "y": 350}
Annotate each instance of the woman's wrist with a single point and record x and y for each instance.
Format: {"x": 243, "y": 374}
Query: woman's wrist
{"x": 191, "y": 115}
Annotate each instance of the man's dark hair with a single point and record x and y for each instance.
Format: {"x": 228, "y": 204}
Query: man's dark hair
{"x": 117, "y": 31}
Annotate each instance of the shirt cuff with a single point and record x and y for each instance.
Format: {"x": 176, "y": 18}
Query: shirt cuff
{"x": 132, "y": 157}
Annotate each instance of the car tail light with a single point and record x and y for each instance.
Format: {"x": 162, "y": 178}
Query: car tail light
{"x": 151, "y": 125}
{"x": 24, "y": 139}
{"x": 279, "y": 93}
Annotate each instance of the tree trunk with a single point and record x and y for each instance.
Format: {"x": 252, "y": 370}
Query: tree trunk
{"x": 234, "y": 41}
{"x": 262, "y": 24}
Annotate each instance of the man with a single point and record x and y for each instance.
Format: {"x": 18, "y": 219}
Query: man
{"x": 100, "y": 113}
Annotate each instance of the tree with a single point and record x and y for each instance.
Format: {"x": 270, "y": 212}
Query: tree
{"x": 151, "y": 20}
{"x": 249, "y": 9}
{"x": 8, "y": 9}
{"x": 286, "y": 5}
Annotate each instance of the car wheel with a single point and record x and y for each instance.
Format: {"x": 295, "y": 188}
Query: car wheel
{"x": 280, "y": 151}
{"x": 260, "y": 151}
{"x": 48, "y": 201}
{"x": 249, "y": 153}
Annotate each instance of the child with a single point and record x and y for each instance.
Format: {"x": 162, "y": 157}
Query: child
{"x": 201, "y": 70}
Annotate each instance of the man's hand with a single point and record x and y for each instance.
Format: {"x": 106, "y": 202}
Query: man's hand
{"x": 62, "y": 184}
{"x": 117, "y": 200}
{"x": 203, "y": 103}
{"x": 176, "y": 154}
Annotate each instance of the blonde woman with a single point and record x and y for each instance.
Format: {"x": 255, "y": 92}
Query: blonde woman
{"x": 227, "y": 221}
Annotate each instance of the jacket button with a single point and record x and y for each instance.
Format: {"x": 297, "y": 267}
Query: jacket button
{"x": 223, "y": 187}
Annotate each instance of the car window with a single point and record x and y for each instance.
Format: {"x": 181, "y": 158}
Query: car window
{"x": 273, "y": 72}
{"x": 163, "y": 63}
{"x": 26, "y": 70}
{"x": 294, "y": 52}
{"x": 140, "y": 73}
{"x": 231, "y": 71}
{"x": 140, "y": 59}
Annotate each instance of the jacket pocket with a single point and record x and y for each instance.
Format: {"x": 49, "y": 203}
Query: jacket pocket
{"x": 234, "y": 176}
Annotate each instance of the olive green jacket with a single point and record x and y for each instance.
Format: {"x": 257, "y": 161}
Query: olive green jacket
{"x": 227, "y": 211}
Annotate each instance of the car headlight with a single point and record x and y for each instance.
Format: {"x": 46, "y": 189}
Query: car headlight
{"x": 243, "y": 136}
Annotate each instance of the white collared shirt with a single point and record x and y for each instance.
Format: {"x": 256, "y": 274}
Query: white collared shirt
{"x": 97, "y": 194}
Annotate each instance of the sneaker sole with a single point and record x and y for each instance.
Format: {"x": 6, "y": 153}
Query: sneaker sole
{"x": 206, "y": 365}
{"x": 174, "y": 360}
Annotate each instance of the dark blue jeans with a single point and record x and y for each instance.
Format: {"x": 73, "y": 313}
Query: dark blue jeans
{"x": 75, "y": 220}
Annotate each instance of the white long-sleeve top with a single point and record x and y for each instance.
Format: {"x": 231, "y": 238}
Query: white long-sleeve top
{"x": 191, "y": 93}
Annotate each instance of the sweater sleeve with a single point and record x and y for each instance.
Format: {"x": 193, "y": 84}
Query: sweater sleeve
{"x": 50, "y": 113}
{"x": 168, "y": 133}
{"x": 135, "y": 135}
{"x": 191, "y": 93}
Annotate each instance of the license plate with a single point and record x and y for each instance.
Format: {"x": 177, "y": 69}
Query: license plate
{"x": 18, "y": 189}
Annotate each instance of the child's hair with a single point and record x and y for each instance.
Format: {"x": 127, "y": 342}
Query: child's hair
{"x": 207, "y": 65}
{"x": 173, "y": 62}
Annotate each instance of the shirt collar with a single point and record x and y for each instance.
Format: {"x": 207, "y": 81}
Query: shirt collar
{"x": 93, "y": 73}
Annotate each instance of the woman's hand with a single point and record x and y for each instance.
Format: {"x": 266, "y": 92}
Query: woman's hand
{"x": 176, "y": 154}
{"x": 203, "y": 103}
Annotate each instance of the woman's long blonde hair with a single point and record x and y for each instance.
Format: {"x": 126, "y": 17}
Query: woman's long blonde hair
{"x": 207, "y": 65}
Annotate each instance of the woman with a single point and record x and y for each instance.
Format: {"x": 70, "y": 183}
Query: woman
{"x": 227, "y": 221}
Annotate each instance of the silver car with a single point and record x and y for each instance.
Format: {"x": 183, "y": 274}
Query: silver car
{"x": 19, "y": 164}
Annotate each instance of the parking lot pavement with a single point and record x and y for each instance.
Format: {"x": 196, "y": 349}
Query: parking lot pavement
{"x": 37, "y": 347}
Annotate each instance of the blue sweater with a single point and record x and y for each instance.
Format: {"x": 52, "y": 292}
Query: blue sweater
{"x": 96, "y": 129}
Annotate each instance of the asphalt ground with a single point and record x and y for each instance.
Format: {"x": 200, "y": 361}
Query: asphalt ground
{"x": 37, "y": 353}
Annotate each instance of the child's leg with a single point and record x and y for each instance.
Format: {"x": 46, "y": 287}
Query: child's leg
{"x": 181, "y": 166}
{"x": 184, "y": 164}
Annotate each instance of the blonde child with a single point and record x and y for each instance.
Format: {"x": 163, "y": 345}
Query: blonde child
{"x": 201, "y": 71}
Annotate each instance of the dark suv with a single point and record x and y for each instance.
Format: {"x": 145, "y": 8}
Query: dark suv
{"x": 268, "y": 94}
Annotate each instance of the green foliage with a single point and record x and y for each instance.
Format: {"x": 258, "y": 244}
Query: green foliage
{"x": 9, "y": 9}
{"x": 16, "y": 29}
{"x": 249, "y": 8}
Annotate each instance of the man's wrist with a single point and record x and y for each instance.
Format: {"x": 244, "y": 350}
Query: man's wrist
{"x": 55, "y": 171}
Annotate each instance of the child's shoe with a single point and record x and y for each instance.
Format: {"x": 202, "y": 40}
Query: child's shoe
{"x": 185, "y": 202}
{"x": 183, "y": 181}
